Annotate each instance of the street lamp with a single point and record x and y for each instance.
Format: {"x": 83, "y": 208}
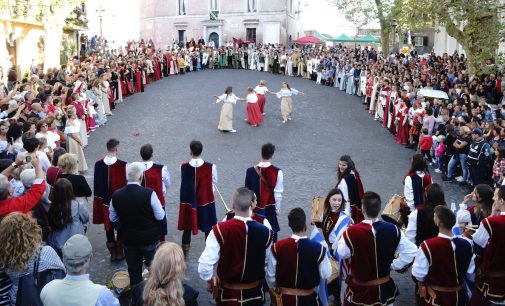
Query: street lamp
{"x": 394, "y": 24}
{"x": 100, "y": 12}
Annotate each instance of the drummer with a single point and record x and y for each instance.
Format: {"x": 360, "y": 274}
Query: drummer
{"x": 421, "y": 225}
{"x": 335, "y": 222}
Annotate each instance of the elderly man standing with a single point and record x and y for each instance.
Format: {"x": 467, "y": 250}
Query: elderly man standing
{"x": 76, "y": 288}
{"x": 138, "y": 211}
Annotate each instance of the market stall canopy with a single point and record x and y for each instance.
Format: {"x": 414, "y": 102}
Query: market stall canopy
{"x": 342, "y": 38}
{"x": 369, "y": 39}
{"x": 431, "y": 93}
{"x": 321, "y": 36}
{"x": 309, "y": 39}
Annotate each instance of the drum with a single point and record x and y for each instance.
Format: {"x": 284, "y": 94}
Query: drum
{"x": 119, "y": 281}
{"x": 335, "y": 270}
{"x": 317, "y": 211}
{"x": 395, "y": 211}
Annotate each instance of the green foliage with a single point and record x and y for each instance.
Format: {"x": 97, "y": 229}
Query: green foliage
{"x": 366, "y": 12}
{"x": 41, "y": 10}
{"x": 475, "y": 24}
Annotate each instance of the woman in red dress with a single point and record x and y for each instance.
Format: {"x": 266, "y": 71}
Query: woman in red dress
{"x": 402, "y": 135}
{"x": 254, "y": 116}
{"x": 138, "y": 78}
{"x": 261, "y": 90}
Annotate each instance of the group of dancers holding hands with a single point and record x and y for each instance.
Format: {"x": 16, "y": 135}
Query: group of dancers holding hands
{"x": 256, "y": 100}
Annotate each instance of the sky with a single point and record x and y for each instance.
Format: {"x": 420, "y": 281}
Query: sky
{"x": 319, "y": 15}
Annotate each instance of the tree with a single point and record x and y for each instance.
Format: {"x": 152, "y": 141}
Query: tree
{"x": 53, "y": 14}
{"x": 475, "y": 24}
{"x": 365, "y": 12}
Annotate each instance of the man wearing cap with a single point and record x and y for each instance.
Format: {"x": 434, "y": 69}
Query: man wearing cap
{"x": 479, "y": 159}
{"x": 76, "y": 288}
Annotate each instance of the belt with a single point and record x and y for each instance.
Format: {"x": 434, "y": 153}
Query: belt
{"x": 373, "y": 282}
{"x": 493, "y": 274}
{"x": 430, "y": 290}
{"x": 240, "y": 286}
{"x": 297, "y": 292}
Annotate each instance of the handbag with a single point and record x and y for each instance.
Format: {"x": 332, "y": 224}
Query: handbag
{"x": 30, "y": 285}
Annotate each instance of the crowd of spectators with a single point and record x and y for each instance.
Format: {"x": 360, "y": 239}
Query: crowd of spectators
{"x": 47, "y": 117}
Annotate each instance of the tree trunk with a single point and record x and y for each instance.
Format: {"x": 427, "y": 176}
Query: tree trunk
{"x": 5, "y": 62}
{"x": 52, "y": 46}
{"x": 385, "y": 41}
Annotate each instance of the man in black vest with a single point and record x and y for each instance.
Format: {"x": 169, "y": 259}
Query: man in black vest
{"x": 137, "y": 211}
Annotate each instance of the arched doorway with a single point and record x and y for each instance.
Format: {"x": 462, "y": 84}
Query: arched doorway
{"x": 215, "y": 38}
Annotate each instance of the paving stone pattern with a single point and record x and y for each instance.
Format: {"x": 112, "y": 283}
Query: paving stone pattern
{"x": 327, "y": 123}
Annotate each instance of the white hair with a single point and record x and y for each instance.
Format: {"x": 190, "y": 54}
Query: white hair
{"x": 5, "y": 186}
{"x": 134, "y": 171}
{"x": 27, "y": 177}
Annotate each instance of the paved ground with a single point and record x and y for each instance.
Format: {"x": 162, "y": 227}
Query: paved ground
{"x": 326, "y": 124}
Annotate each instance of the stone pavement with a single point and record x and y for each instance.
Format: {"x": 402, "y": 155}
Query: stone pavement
{"x": 327, "y": 123}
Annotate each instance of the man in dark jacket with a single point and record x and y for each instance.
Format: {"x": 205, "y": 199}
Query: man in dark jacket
{"x": 136, "y": 211}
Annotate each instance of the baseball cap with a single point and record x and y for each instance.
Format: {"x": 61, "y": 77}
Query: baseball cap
{"x": 477, "y": 131}
{"x": 77, "y": 248}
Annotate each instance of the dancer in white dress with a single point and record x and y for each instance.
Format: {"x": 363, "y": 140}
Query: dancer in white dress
{"x": 286, "y": 102}
{"x": 226, "y": 116}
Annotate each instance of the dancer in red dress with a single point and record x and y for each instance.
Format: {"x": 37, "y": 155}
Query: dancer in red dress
{"x": 254, "y": 116}
{"x": 261, "y": 90}
{"x": 402, "y": 134}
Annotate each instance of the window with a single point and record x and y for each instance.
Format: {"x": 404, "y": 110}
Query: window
{"x": 182, "y": 7}
{"x": 291, "y": 6}
{"x": 251, "y": 34}
{"x": 214, "y": 5}
{"x": 251, "y": 5}
{"x": 418, "y": 41}
{"x": 182, "y": 34}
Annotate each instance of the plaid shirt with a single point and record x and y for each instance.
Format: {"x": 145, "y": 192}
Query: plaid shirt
{"x": 498, "y": 167}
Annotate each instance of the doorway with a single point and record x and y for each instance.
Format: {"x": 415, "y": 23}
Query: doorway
{"x": 215, "y": 38}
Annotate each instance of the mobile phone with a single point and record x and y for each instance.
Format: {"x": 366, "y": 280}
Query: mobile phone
{"x": 28, "y": 159}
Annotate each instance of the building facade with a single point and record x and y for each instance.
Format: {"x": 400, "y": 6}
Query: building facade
{"x": 23, "y": 37}
{"x": 220, "y": 21}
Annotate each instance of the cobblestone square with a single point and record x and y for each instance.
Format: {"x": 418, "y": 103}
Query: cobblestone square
{"x": 326, "y": 124}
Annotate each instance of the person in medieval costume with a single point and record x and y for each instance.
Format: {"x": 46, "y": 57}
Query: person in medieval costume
{"x": 109, "y": 176}
{"x": 197, "y": 208}
{"x": 267, "y": 182}
{"x": 157, "y": 178}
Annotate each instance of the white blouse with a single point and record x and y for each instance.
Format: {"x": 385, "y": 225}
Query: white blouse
{"x": 287, "y": 92}
{"x": 51, "y": 138}
{"x": 227, "y": 98}
{"x": 71, "y": 129}
{"x": 252, "y": 98}
{"x": 261, "y": 90}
